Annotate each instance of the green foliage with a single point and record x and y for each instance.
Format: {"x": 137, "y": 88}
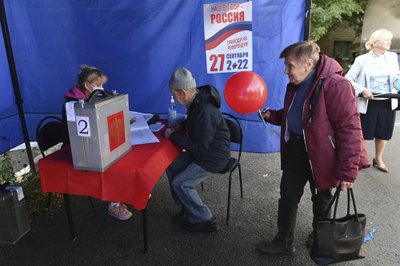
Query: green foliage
{"x": 6, "y": 171}
{"x": 327, "y": 14}
{"x": 35, "y": 200}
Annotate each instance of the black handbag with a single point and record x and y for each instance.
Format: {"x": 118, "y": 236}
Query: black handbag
{"x": 339, "y": 239}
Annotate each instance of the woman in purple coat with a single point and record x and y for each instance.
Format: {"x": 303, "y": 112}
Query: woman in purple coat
{"x": 321, "y": 138}
{"x": 90, "y": 79}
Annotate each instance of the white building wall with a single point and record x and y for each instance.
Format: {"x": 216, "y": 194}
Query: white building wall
{"x": 382, "y": 14}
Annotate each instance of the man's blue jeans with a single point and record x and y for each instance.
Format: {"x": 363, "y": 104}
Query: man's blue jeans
{"x": 184, "y": 176}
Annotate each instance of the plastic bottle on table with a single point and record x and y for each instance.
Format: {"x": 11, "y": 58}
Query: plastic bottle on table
{"x": 171, "y": 111}
{"x": 398, "y": 85}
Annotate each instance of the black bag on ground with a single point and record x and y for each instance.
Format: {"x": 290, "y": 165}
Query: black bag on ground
{"x": 339, "y": 239}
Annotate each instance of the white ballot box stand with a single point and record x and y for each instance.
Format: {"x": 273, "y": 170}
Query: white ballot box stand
{"x": 99, "y": 130}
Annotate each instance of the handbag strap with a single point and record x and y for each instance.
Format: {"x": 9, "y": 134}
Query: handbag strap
{"x": 96, "y": 93}
{"x": 348, "y": 202}
{"x": 335, "y": 199}
{"x": 350, "y": 191}
{"x": 314, "y": 99}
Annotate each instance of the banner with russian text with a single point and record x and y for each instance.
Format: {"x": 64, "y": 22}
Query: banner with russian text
{"x": 228, "y": 37}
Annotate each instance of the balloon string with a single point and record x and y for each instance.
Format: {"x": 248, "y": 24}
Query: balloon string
{"x": 269, "y": 126}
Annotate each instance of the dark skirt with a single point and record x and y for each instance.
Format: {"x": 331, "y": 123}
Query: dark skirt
{"x": 379, "y": 120}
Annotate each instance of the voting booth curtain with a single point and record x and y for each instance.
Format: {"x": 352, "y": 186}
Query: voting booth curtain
{"x": 137, "y": 44}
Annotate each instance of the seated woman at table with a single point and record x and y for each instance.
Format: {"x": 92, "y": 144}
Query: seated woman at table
{"x": 207, "y": 149}
{"x": 89, "y": 79}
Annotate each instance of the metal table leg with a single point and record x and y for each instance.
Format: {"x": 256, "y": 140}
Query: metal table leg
{"x": 69, "y": 216}
{"x": 145, "y": 243}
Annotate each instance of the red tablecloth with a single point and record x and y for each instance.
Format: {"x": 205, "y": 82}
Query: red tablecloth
{"x": 131, "y": 179}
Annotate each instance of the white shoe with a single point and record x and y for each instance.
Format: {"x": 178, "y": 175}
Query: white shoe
{"x": 119, "y": 211}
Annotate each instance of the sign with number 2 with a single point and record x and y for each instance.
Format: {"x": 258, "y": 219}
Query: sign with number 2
{"x": 83, "y": 126}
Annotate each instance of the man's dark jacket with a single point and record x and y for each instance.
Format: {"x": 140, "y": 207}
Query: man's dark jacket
{"x": 206, "y": 139}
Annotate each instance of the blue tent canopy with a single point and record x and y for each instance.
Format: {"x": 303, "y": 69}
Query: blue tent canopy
{"x": 137, "y": 44}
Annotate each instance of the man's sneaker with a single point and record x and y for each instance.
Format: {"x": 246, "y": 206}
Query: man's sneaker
{"x": 275, "y": 247}
{"x": 206, "y": 226}
{"x": 119, "y": 211}
{"x": 310, "y": 239}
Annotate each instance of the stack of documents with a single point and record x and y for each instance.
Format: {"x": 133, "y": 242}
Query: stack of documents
{"x": 140, "y": 131}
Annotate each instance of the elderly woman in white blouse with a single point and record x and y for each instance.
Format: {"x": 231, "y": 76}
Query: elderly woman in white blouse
{"x": 373, "y": 73}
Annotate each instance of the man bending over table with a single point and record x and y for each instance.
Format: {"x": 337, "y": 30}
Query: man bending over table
{"x": 204, "y": 136}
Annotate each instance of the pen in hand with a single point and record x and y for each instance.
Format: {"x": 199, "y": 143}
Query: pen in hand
{"x": 264, "y": 114}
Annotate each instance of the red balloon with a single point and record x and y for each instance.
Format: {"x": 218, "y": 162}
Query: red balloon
{"x": 245, "y": 92}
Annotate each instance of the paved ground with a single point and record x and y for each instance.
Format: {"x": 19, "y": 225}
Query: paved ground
{"x": 103, "y": 240}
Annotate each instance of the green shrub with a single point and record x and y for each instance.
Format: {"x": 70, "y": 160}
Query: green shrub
{"x": 6, "y": 172}
{"x": 36, "y": 201}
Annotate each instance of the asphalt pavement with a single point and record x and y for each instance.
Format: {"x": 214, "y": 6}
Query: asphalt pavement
{"x": 103, "y": 240}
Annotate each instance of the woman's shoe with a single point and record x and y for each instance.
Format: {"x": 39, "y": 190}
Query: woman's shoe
{"x": 382, "y": 168}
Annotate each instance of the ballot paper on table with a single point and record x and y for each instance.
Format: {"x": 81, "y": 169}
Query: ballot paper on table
{"x": 156, "y": 127}
{"x": 146, "y": 116}
{"x": 140, "y": 131}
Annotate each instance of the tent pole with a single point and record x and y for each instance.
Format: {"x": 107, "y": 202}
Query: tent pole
{"x": 14, "y": 78}
{"x": 307, "y": 21}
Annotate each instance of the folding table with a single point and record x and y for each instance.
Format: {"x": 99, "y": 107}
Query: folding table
{"x": 130, "y": 180}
